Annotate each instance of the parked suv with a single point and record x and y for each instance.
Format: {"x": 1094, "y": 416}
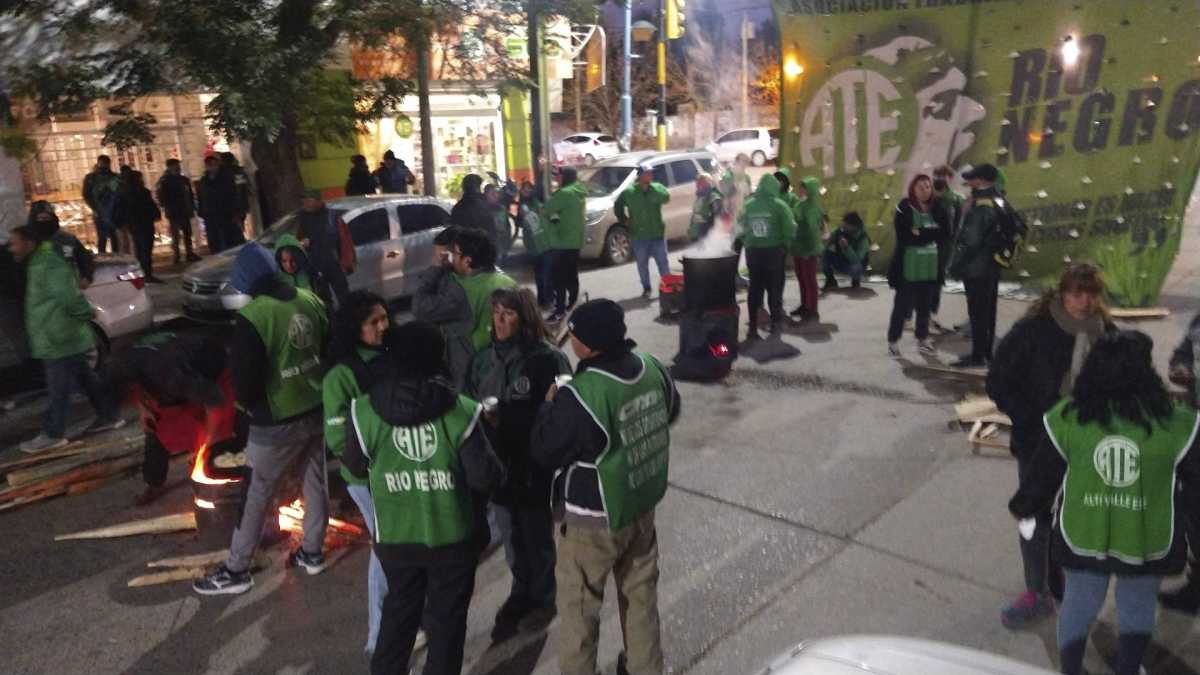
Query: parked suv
{"x": 605, "y": 181}
{"x": 760, "y": 144}
{"x": 588, "y": 147}
{"x": 393, "y": 237}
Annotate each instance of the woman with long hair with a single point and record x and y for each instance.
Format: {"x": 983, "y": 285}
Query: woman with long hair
{"x": 1036, "y": 365}
{"x": 1115, "y": 451}
{"x": 357, "y": 341}
{"x": 922, "y": 226}
{"x": 517, "y": 369}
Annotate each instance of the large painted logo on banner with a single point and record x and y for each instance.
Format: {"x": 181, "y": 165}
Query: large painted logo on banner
{"x": 1092, "y": 113}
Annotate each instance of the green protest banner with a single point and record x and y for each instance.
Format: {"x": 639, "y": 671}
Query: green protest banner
{"x": 1090, "y": 109}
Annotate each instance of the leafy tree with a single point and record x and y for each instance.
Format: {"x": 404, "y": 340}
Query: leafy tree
{"x": 269, "y": 62}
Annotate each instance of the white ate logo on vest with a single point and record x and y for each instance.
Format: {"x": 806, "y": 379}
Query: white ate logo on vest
{"x": 300, "y": 332}
{"x": 416, "y": 443}
{"x": 1116, "y": 460}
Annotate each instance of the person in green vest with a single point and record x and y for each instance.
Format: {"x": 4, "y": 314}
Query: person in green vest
{"x": 1122, "y": 459}
{"x": 607, "y": 436}
{"x": 517, "y": 369}
{"x": 807, "y": 246}
{"x": 915, "y": 272}
{"x": 355, "y": 348}
{"x": 441, "y": 300}
{"x": 276, "y": 358}
{"x": 765, "y": 228}
{"x": 707, "y": 208}
{"x": 847, "y": 252}
{"x": 952, "y": 202}
{"x": 639, "y": 210}
{"x": 564, "y": 219}
{"x": 429, "y": 467}
{"x": 533, "y": 234}
{"x": 475, "y": 270}
{"x": 295, "y": 268}
{"x": 58, "y": 323}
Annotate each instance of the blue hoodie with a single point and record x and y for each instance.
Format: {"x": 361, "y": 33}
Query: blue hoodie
{"x": 254, "y": 263}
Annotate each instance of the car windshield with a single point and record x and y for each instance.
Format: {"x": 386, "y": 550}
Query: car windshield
{"x": 605, "y": 180}
{"x": 286, "y": 225}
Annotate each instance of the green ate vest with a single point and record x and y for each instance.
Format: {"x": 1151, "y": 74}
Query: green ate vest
{"x": 479, "y": 288}
{"x": 921, "y": 262}
{"x": 635, "y": 416}
{"x": 416, "y": 479}
{"x": 1118, "y": 497}
{"x": 293, "y": 333}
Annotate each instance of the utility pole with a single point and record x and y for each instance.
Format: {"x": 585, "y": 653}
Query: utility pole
{"x": 539, "y": 118}
{"x": 662, "y": 76}
{"x": 626, "y": 97}
{"x": 747, "y": 33}
{"x": 429, "y": 179}
{"x": 578, "y": 74}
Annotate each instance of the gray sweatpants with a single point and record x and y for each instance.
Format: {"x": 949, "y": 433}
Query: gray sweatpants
{"x": 271, "y": 452}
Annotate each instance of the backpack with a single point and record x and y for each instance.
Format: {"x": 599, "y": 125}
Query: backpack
{"x": 1009, "y": 233}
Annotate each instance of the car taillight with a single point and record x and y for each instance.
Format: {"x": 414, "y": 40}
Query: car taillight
{"x": 135, "y": 277}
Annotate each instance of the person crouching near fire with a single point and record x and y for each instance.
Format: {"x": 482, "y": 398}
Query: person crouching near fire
{"x": 607, "y": 433}
{"x": 183, "y": 390}
{"x": 430, "y": 469}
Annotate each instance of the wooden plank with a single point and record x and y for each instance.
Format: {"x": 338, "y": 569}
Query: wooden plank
{"x": 976, "y": 439}
{"x": 968, "y": 373}
{"x": 197, "y": 560}
{"x": 172, "y": 575}
{"x": 1134, "y": 313}
{"x": 162, "y": 524}
{"x": 83, "y": 487}
{"x": 55, "y": 468}
{"x": 62, "y": 481}
{"x": 69, "y": 451}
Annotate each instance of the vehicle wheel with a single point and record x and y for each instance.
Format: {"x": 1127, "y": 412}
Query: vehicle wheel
{"x": 618, "y": 249}
{"x": 758, "y": 158}
{"x": 98, "y": 357}
{"x": 588, "y": 160}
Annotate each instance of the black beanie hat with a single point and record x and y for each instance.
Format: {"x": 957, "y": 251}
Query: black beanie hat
{"x": 599, "y": 324}
{"x": 417, "y": 348}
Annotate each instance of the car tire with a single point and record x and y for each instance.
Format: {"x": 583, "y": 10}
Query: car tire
{"x": 618, "y": 247}
{"x": 98, "y": 357}
{"x": 588, "y": 160}
{"x": 759, "y": 158}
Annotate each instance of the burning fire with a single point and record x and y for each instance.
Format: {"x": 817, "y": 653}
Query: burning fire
{"x": 291, "y": 519}
{"x": 200, "y": 472}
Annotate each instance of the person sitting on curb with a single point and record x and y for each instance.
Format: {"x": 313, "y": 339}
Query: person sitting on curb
{"x": 847, "y": 252}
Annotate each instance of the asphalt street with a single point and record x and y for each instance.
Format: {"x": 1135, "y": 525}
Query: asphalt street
{"x": 817, "y": 495}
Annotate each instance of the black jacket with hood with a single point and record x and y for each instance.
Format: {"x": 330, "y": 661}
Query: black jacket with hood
{"x": 565, "y": 432}
{"x": 408, "y": 401}
{"x": 472, "y": 210}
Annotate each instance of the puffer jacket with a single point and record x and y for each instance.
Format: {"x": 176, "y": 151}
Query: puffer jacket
{"x": 57, "y": 316}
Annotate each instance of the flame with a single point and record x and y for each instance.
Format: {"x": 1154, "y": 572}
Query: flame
{"x": 204, "y": 503}
{"x": 291, "y": 519}
{"x": 200, "y": 475}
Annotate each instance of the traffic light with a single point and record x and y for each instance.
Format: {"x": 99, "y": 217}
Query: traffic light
{"x": 675, "y": 19}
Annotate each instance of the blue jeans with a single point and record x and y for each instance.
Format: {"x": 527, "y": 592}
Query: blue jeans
{"x": 643, "y": 250}
{"x": 835, "y": 263}
{"x": 61, "y": 377}
{"x": 1137, "y": 598}
{"x": 376, "y": 580}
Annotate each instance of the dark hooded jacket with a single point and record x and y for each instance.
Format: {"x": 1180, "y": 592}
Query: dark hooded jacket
{"x": 360, "y": 182}
{"x": 472, "y": 210}
{"x": 66, "y": 245}
{"x": 902, "y": 221}
{"x": 409, "y": 401}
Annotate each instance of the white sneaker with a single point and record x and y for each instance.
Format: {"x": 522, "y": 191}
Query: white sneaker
{"x": 893, "y": 349}
{"x": 99, "y": 425}
{"x": 42, "y": 443}
{"x": 926, "y": 347}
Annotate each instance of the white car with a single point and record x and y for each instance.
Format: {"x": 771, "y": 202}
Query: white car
{"x": 892, "y": 655}
{"x": 589, "y": 147}
{"x": 760, "y": 144}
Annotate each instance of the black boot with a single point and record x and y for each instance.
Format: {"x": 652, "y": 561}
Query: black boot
{"x": 1131, "y": 649}
{"x": 830, "y": 283}
{"x": 1071, "y": 656}
{"x": 1186, "y": 599}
